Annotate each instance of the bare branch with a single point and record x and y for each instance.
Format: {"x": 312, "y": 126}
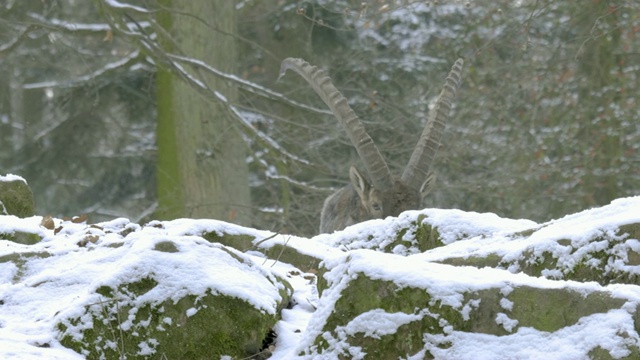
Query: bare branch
{"x": 249, "y": 86}
{"x": 62, "y": 25}
{"x": 125, "y": 61}
{"x": 124, "y": 6}
{"x": 264, "y": 138}
{"x": 22, "y": 34}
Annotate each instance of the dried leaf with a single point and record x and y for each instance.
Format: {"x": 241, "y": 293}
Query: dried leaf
{"x": 47, "y": 222}
{"x": 88, "y": 239}
{"x": 293, "y": 273}
{"x": 80, "y": 219}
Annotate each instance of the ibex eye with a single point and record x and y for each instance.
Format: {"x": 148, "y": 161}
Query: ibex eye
{"x": 376, "y": 206}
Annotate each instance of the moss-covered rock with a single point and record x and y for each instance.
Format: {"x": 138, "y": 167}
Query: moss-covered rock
{"x": 21, "y": 237}
{"x": 240, "y": 242}
{"x": 19, "y": 259}
{"x": 16, "y": 197}
{"x": 607, "y": 257}
{"x": 193, "y": 327}
{"x": 406, "y": 235}
{"x": 149, "y": 293}
{"x": 277, "y": 249}
{"x": 385, "y": 310}
{"x": 432, "y": 284}
{"x": 384, "y": 301}
{"x": 418, "y": 235}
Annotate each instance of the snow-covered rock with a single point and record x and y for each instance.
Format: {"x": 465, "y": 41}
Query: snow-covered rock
{"x": 118, "y": 290}
{"x": 384, "y": 306}
{"x": 16, "y": 197}
{"x": 443, "y": 284}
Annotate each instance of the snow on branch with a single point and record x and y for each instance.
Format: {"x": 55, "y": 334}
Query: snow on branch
{"x": 125, "y": 6}
{"x": 6, "y": 47}
{"x": 264, "y": 138}
{"x": 173, "y": 62}
{"x": 63, "y": 25}
{"x": 88, "y": 77}
{"x": 301, "y": 184}
{"x": 247, "y": 85}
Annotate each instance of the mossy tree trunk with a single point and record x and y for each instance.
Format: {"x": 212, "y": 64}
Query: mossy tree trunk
{"x": 201, "y": 168}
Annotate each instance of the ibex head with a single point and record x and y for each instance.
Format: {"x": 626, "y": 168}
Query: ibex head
{"x": 385, "y": 195}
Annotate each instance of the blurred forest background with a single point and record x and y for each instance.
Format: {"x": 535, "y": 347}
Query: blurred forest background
{"x": 164, "y": 108}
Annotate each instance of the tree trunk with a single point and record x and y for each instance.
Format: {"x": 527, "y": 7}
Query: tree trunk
{"x": 201, "y": 156}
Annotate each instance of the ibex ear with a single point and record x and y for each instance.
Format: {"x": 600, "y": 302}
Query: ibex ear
{"x": 428, "y": 185}
{"x": 359, "y": 183}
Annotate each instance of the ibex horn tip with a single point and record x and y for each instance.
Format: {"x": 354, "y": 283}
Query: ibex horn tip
{"x": 285, "y": 65}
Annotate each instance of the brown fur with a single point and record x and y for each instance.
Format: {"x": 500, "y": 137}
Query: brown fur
{"x": 347, "y": 207}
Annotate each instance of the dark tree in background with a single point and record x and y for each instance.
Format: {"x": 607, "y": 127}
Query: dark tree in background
{"x": 546, "y": 121}
{"x": 76, "y": 114}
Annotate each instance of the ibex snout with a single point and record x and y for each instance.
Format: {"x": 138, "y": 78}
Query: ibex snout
{"x": 360, "y": 201}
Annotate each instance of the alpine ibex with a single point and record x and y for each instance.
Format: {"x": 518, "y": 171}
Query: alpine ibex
{"x": 385, "y": 195}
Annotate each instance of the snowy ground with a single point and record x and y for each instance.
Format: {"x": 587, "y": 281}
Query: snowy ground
{"x": 52, "y": 287}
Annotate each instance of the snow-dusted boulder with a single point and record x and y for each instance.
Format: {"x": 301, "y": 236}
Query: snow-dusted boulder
{"x": 496, "y": 289}
{"x": 16, "y": 197}
{"x": 385, "y": 306}
{"x": 599, "y": 245}
{"x": 442, "y": 284}
{"x": 119, "y": 290}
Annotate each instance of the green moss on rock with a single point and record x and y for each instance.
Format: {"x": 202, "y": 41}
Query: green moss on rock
{"x": 20, "y": 260}
{"x": 492, "y": 311}
{"x": 166, "y": 246}
{"x": 632, "y": 231}
{"x": 427, "y": 236}
{"x": 553, "y": 309}
{"x": 293, "y": 256}
{"x": 279, "y": 252}
{"x": 240, "y": 242}
{"x": 534, "y": 265}
{"x": 193, "y": 327}
{"x": 419, "y": 236}
{"x": 386, "y": 295}
{"x": 583, "y": 266}
{"x": 491, "y": 260}
{"x": 16, "y": 198}
{"x": 602, "y": 354}
{"x": 21, "y": 237}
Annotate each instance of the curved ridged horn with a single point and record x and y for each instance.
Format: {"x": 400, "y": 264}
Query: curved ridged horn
{"x": 373, "y": 161}
{"x": 418, "y": 168}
